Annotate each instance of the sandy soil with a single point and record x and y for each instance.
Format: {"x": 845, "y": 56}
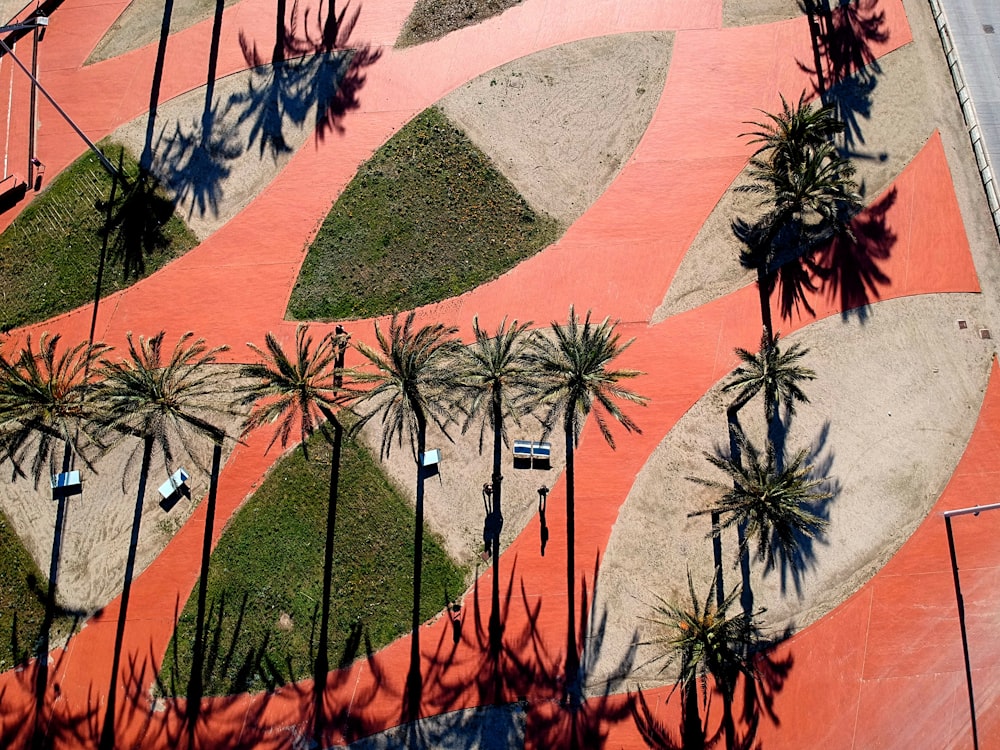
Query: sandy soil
{"x": 888, "y": 444}
{"x": 485, "y": 728}
{"x": 554, "y": 127}
{"x": 453, "y": 502}
{"x": 140, "y": 24}
{"x": 752, "y": 12}
{"x": 258, "y": 119}
{"x": 98, "y": 522}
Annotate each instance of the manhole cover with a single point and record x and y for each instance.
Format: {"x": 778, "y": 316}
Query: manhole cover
{"x": 984, "y": 333}
{"x": 962, "y": 325}
{"x": 987, "y": 28}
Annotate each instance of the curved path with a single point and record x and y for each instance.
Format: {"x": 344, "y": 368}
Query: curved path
{"x": 883, "y": 670}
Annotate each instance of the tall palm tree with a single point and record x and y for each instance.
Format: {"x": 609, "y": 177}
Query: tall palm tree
{"x": 494, "y": 377}
{"x": 574, "y": 379}
{"x": 776, "y": 506}
{"x": 44, "y": 401}
{"x": 409, "y": 386}
{"x": 703, "y": 640}
{"x": 160, "y": 399}
{"x": 806, "y": 187}
{"x": 299, "y": 394}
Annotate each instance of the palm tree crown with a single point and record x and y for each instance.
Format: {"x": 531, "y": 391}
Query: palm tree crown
{"x": 776, "y": 506}
{"x": 293, "y": 392}
{"x": 491, "y": 377}
{"x": 786, "y": 137}
{"x": 46, "y": 396}
{"x": 149, "y": 395}
{"x": 410, "y": 379}
{"x": 573, "y": 377}
{"x": 775, "y": 372}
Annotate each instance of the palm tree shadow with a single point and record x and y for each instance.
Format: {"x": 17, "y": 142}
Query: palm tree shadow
{"x": 793, "y": 565}
{"x": 844, "y": 64}
{"x": 847, "y": 269}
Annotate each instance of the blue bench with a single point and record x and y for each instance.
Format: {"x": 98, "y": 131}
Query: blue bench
{"x": 532, "y": 451}
{"x": 430, "y": 458}
{"x": 66, "y": 483}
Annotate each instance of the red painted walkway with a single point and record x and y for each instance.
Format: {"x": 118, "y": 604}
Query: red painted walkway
{"x": 883, "y": 670}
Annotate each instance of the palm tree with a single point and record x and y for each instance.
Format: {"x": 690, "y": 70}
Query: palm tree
{"x": 410, "y": 385}
{"x": 807, "y": 189}
{"x": 159, "y": 400}
{"x": 44, "y": 401}
{"x": 774, "y": 505}
{"x": 573, "y": 379}
{"x": 773, "y": 372}
{"x": 494, "y": 376}
{"x": 299, "y": 394}
{"x": 703, "y": 640}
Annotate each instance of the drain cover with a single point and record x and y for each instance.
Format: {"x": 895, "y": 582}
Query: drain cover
{"x": 984, "y": 333}
{"x": 988, "y": 28}
{"x": 962, "y": 325}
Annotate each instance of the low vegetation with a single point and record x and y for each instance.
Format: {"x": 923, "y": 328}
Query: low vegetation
{"x": 265, "y": 578}
{"x": 50, "y": 254}
{"x": 426, "y": 218}
{"x": 432, "y": 19}
{"x": 22, "y": 601}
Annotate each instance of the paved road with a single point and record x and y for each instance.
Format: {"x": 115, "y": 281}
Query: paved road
{"x": 975, "y": 31}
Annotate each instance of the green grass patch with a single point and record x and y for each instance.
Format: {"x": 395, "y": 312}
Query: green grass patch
{"x": 432, "y": 19}
{"x": 22, "y": 611}
{"x": 426, "y": 218}
{"x": 269, "y": 562}
{"x": 50, "y": 254}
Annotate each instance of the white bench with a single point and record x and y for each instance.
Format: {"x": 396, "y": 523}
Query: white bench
{"x": 174, "y": 483}
{"x": 66, "y": 483}
{"x": 541, "y": 451}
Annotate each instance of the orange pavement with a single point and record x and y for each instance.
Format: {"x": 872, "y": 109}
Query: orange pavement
{"x": 862, "y": 677}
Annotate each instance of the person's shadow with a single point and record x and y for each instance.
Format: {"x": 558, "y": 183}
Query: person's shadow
{"x": 543, "y": 494}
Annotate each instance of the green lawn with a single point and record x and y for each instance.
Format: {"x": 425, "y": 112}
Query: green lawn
{"x": 269, "y": 562}
{"x": 49, "y": 256}
{"x": 22, "y": 593}
{"x": 432, "y": 19}
{"x": 426, "y": 218}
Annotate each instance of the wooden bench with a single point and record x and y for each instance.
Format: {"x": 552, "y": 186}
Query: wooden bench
{"x": 174, "y": 484}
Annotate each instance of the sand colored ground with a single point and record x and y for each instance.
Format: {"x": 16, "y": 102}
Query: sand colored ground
{"x": 605, "y": 476}
{"x": 214, "y": 164}
{"x": 141, "y": 22}
{"x": 888, "y": 446}
{"x": 98, "y": 522}
{"x": 559, "y": 124}
{"x": 747, "y": 12}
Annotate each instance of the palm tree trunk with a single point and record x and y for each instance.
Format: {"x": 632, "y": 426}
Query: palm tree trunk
{"x": 816, "y": 37}
{"x": 746, "y": 591}
{"x": 692, "y": 735}
{"x": 196, "y": 680}
{"x": 765, "y": 285}
{"x": 108, "y": 730}
{"x": 572, "y": 655}
{"x": 414, "y": 680}
{"x": 496, "y": 627}
{"x": 322, "y": 667}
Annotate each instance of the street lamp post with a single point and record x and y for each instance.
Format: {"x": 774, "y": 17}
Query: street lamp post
{"x": 948, "y": 515}
{"x": 33, "y": 24}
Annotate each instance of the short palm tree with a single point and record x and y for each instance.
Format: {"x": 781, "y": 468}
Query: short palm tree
{"x": 787, "y": 136}
{"x": 410, "y": 385}
{"x": 300, "y": 393}
{"x": 493, "y": 382}
{"x": 774, "y": 506}
{"x": 773, "y": 372}
{"x": 703, "y": 640}
{"x": 573, "y": 380}
{"x": 160, "y": 399}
